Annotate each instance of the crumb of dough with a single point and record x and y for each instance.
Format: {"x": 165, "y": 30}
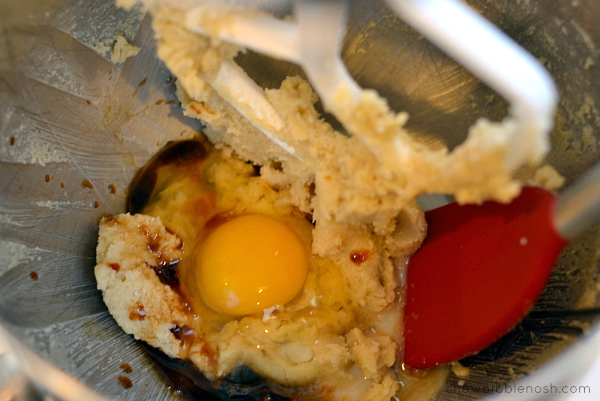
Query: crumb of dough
{"x": 547, "y": 177}
{"x": 588, "y": 299}
{"x": 122, "y": 50}
{"x": 585, "y": 327}
{"x": 103, "y": 47}
{"x": 460, "y": 370}
{"x": 588, "y": 139}
{"x": 587, "y": 109}
{"x": 118, "y": 48}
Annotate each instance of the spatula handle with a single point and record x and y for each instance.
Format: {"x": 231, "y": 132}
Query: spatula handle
{"x": 579, "y": 206}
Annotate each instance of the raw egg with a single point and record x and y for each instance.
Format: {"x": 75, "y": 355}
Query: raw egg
{"x": 249, "y": 264}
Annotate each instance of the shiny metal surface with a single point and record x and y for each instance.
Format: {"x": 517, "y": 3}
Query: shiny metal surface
{"x": 75, "y": 116}
{"x": 579, "y": 205}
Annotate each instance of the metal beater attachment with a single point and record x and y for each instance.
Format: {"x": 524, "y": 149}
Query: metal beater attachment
{"x": 313, "y": 40}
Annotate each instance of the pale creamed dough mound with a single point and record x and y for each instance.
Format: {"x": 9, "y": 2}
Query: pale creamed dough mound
{"x": 364, "y": 179}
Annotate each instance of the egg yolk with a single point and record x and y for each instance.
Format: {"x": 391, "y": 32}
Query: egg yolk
{"x": 249, "y": 264}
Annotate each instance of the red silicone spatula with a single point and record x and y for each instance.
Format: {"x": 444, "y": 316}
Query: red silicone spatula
{"x": 481, "y": 268}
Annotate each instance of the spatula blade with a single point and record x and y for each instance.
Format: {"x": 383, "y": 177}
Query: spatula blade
{"x": 478, "y": 273}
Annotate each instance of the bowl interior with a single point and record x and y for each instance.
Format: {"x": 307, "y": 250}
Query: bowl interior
{"x": 74, "y": 128}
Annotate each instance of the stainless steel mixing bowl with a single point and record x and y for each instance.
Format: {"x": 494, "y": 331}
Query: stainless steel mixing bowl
{"x": 74, "y": 128}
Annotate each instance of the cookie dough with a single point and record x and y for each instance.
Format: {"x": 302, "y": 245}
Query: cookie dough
{"x": 341, "y": 335}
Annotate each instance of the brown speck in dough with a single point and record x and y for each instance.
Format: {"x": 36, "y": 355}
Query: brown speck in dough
{"x": 184, "y": 334}
{"x": 96, "y": 204}
{"x": 87, "y": 184}
{"x": 34, "y": 275}
{"x": 277, "y": 166}
{"x": 47, "y": 178}
{"x": 195, "y": 108}
{"x": 12, "y": 140}
{"x": 208, "y": 352}
{"x": 143, "y": 82}
{"x": 62, "y": 184}
{"x": 88, "y": 101}
{"x": 312, "y": 189}
{"x": 115, "y": 266}
{"x": 126, "y": 368}
{"x": 138, "y": 313}
{"x": 159, "y": 102}
{"x": 125, "y": 382}
{"x": 112, "y": 188}
{"x": 359, "y": 256}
